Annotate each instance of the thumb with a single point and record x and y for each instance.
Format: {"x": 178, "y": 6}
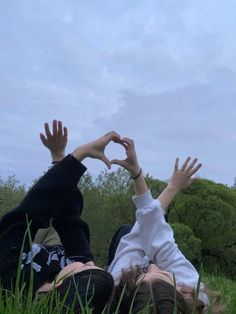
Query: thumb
{"x": 106, "y": 161}
{"x": 191, "y": 181}
{"x": 117, "y": 162}
{"x": 43, "y": 139}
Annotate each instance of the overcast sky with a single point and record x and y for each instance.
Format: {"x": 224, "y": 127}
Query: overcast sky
{"x": 161, "y": 72}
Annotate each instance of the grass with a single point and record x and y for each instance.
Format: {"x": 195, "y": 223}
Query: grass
{"x": 226, "y": 287}
{"x": 49, "y": 304}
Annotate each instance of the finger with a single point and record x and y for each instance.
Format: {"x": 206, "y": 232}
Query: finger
{"x": 117, "y": 162}
{"x": 194, "y": 170}
{"x": 176, "y": 163}
{"x": 129, "y": 141}
{"x": 192, "y": 164}
{"x": 59, "y": 128}
{"x": 106, "y": 161}
{"x": 47, "y": 130}
{"x": 185, "y": 163}
{"x": 65, "y": 135}
{"x": 123, "y": 143}
{"x": 43, "y": 139}
{"x": 107, "y": 138}
{"x": 112, "y": 135}
{"x": 117, "y": 139}
{"x": 191, "y": 181}
{"x": 54, "y": 127}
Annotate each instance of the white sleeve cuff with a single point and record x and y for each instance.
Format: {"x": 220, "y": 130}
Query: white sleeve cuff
{"x": 145, "y": 200}
{"x": 141, "y": 201}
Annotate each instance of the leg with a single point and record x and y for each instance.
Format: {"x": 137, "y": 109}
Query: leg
{"x": 42, "y": 202}
{"x": 73, "y": 231}
{"x": 123, "y": 230}
{"x": 11, "y": 242}
{"x": 48, "y": 195}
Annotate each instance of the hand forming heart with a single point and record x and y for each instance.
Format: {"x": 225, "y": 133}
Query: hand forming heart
{"x": 96, "y": 149}
{"x": 131, "y": 162}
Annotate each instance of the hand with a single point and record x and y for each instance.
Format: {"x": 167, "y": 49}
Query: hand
{"x": 96, "y": 149}
{"x": 55, "y": 141}
{"x": 131, "y": 162}
{"x": 182, "y": 178}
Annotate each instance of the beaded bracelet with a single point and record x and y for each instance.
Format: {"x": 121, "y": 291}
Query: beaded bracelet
{"x": 136, "y": 177}
{"x": 55, "y": 162}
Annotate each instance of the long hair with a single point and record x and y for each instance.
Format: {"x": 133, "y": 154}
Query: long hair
{"x": 158, "y": 297}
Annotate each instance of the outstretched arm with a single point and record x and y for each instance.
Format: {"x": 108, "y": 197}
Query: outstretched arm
{"x": 130, "y": 250}
{"x": 56, "y": 140}
{"x": 156, "y": 234}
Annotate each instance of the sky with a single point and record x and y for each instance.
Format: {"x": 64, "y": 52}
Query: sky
{"x": 161, "y": 72}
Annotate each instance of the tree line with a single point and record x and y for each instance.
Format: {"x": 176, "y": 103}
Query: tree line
{"x": 203, "y": 216}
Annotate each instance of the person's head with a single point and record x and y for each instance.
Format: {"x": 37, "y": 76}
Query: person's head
{"x": 160, "y": 297}
{"x": 159, "y": 287}
{"x": 80, "y": 285}
{"x": 92, "y": 288}
{"x": 155, "y": 288}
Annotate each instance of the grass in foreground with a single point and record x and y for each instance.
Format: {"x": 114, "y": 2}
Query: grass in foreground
{"x": 49, "y": 304}
{"x": 226, "y": 287}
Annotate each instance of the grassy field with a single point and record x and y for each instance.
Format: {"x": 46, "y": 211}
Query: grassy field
{"x": 18, "y": 305}
{"x": 226, "y": 287}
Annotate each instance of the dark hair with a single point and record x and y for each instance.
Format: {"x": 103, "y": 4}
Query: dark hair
{"x": 158, "y": 297}
{"x": 92, "y": 288}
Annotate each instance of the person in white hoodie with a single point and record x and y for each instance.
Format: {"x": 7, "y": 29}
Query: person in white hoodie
{"x": 148, "y": 265}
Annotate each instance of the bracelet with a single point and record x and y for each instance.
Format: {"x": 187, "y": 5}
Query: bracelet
{"x": 136, "y": 177}
{"x": 55, "y": 162}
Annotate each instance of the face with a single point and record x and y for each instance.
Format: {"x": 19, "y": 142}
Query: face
{"x": 72, "y": 269}
{"x": 154, "y": 273}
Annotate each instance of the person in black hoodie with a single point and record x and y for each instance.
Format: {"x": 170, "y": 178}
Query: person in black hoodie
{"x": 69, "y": 267}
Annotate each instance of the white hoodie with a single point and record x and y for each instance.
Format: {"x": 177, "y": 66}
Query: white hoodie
{"x": 151, "y": 239}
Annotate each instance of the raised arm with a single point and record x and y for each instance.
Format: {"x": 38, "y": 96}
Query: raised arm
{"x": 156, "y": 234}
{"x": 130, "y": 249}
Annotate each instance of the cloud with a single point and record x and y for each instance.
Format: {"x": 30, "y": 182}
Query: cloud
{"x": 162, "y": 72}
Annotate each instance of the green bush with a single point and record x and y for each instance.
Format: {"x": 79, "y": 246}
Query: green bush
{"x": 11, "y": 193}
{"x": 203, "y": 216}
{"x": 189, "y": 244}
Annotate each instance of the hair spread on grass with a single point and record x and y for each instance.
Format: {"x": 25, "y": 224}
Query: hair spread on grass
{"x": 158, "y": 297}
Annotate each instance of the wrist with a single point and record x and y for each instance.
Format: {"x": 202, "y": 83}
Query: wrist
{"x": 138, "y": 174}
{"x": 173, "y": 188}
{"x": 80, "y": 153}
{"x": 57, "y": 157}
{"x": 134, "y": 171}
{"x": 168, "y": 195}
